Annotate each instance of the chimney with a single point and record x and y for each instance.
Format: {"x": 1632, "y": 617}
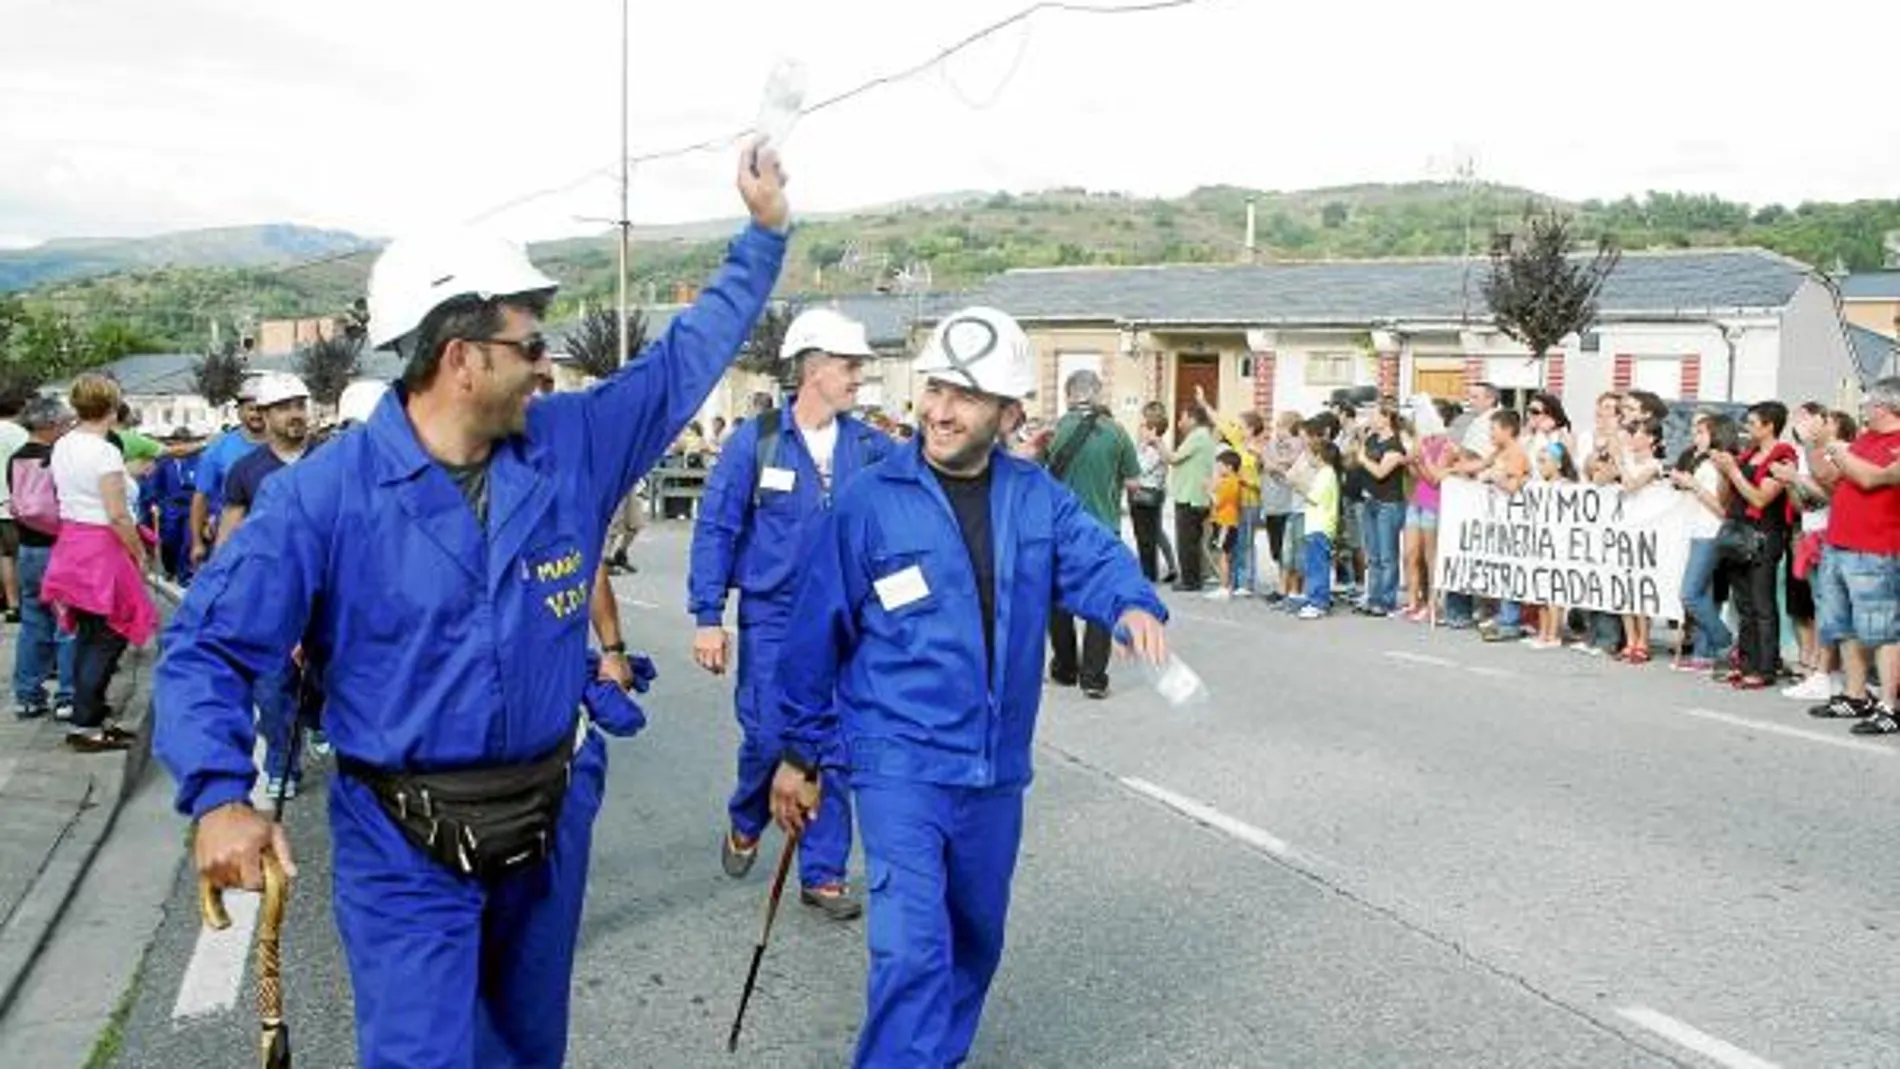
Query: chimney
{"x": 1250, "y": 230}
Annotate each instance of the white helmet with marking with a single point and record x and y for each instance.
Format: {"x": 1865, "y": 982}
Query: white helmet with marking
{"x": 416, "y": 275}
{"x": 980, "y": 349}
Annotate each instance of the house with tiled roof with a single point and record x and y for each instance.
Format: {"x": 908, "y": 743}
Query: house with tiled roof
{"x": 1718, "y": 325}
{"x": 1871, "y": 300}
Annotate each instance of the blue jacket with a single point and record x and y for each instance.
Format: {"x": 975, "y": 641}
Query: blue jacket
{"x": 758, "y": 549}
{"x": 914, "y": 699}
{"x": 441, "y": 646}
{"x": 169, "y": 489}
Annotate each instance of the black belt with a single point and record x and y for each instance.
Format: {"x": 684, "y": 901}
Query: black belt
{"x": 484, "y": 823}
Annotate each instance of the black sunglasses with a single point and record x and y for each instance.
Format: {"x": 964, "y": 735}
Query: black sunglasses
{"x": 533, "y": 348}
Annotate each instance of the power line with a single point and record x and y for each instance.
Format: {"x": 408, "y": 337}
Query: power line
{"x": 915, "y": 69}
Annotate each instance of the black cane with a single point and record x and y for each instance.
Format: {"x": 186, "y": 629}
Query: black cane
{"x": 765, "y": 936}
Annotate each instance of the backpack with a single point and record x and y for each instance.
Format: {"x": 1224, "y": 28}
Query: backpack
{"x": 35, "y": 497}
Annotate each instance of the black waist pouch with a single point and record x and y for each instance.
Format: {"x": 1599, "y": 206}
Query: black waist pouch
{"x": 485, "y": 823}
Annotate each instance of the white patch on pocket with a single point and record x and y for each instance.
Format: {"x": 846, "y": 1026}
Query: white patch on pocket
{"x": 779, "y": 479}
{"x": 899, "y": 589}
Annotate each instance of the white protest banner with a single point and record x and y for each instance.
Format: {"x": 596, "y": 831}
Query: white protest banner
{"x": 1568, "y": 544}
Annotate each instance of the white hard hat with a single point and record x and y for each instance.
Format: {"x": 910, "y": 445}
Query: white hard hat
{"x": 359, "y": 400}
{"x": 980, "y": 349}
{"x": 247, "y": 386}
{"x": 827, "y": 331}
{"x": 278, "y": 386}
{"x": 416, "y": 274}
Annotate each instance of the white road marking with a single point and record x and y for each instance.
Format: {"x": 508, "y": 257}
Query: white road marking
{"x": 1793, "y": 733}
{"x": 1421, "y": 658}
{"x": 216, "y": 970}
{"x": 1494, "y": 673}
{"x": 1693, "y": 1039}
{"x": 1211, "y": 817}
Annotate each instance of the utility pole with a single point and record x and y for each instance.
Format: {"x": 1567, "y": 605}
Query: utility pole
{"x": 623, "y": 224}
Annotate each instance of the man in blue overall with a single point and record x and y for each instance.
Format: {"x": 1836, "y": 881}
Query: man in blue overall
{"x": 169, "y": 492}
{"x": 921, "y": 621}
{"x": 435, "y": 563}
{"x": 773, "y": 485}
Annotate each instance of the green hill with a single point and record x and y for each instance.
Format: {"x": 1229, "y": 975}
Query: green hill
{"x": 963, "y": 238}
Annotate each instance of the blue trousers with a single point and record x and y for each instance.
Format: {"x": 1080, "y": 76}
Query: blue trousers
{"x": 940, "y": 861}
{"x": 1712, "y": 636}
{"x": 1319, "y": 570}
{"x": 826, "y": 847}
{"x": 276, "y": 697}
{"x": 1383, "y": 520}
{"x": 1244, "y": 569}
{"x": 44, "y": 649}
{"x": 448, "y": 972}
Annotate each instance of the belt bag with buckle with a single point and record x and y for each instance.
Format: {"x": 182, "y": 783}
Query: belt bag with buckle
{"x": 486, "y": 823}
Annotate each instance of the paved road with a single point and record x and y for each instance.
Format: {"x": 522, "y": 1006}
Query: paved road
{"x": 1377, "y": 846}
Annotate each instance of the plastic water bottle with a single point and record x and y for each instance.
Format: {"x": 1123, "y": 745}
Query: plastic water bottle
{"x": 1178, "y": 685}
{"x": 781, "y": 103}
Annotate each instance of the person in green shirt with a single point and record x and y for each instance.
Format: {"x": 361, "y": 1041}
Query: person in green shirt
{"x": 1095, "y": 458}
{"x": 1190, "y": 484}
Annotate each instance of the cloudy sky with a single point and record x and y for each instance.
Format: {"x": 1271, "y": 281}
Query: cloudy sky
{"x": 122, "y": 117}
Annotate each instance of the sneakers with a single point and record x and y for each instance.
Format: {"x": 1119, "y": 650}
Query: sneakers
{"x": 62, "y": 710}
{"x": 1816, "y": 688}
{"x": 1880, "y": 721}
{"x": 1501, "y": 634}
{"x": 1243, "y": 592}
{"x": 1219, "y": 593}
{"x": 833, "y": 900}
{"x": 1842, "y": 707}
{"x": 1311, "y": 612}
{"x": 28, "y": 712}
{"x": 736, "y": 860}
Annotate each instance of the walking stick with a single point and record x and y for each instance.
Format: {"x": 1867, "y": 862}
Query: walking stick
{"x": 274, "y": 1031}
{"x": 765, "y": 936}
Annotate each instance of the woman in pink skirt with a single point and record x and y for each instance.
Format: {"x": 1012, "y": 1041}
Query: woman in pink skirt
{"x": 95, "y": 578}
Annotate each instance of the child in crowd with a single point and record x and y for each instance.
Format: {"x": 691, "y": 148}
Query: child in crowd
{"x": 1554, "y": 466}
{"x": 1321, "y": 519}
{"x": 1226, "y": 520}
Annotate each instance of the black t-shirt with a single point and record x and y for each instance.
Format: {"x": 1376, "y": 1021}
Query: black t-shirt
{"x": 1392, "y": 487}
{"x": 472, "y": 481}
{"x": 247, "y": 476}
{"x": 44, "y": 454}
{"x": 970, "y": 500}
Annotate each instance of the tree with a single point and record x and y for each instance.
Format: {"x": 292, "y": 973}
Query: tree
{"x": 1334, "y": 214}
{"x": 1537, "y": 291}
{"x": 760, "y": 354}
{"x": 219, "y": 374}
{"x": 594, "y": 342}
{"x": 328, "y": 366}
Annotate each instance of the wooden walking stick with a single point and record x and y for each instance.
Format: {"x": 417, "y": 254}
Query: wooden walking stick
{"x": 765, "y": 936}
{"x": 274, "y": 1035}
{"x": 274, "y": 1031}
